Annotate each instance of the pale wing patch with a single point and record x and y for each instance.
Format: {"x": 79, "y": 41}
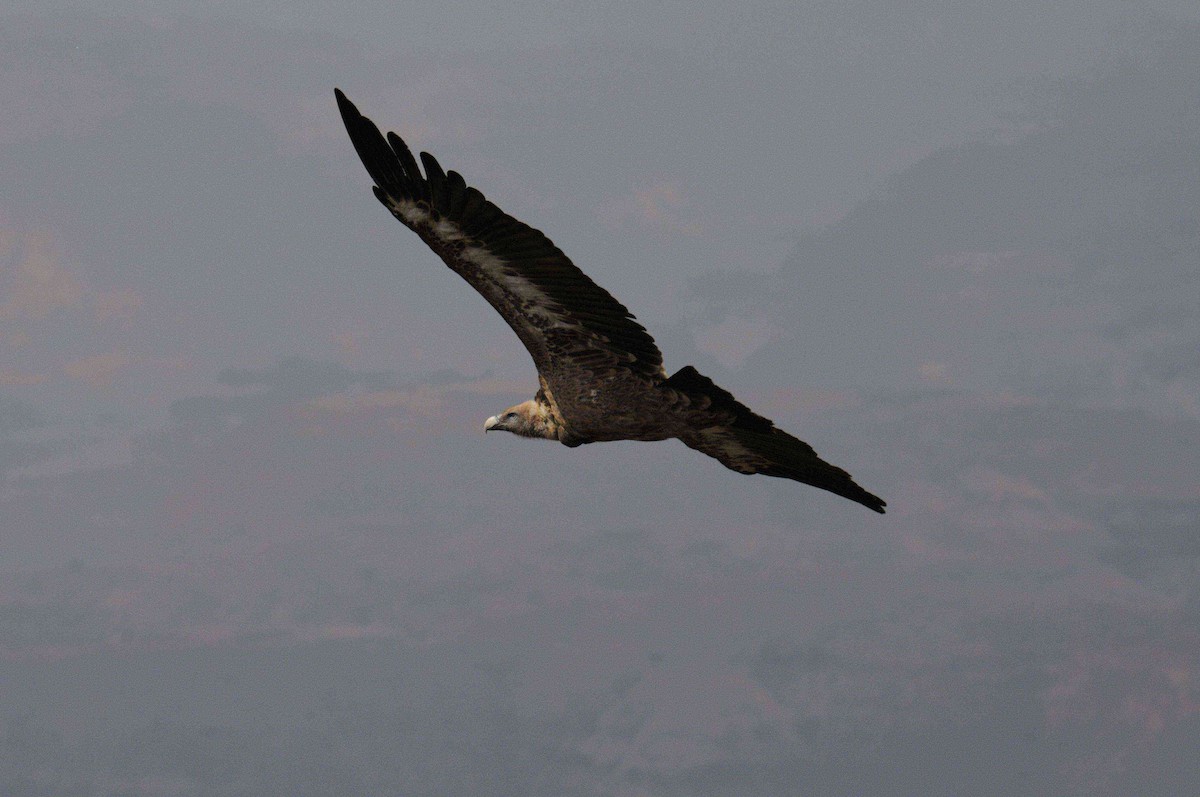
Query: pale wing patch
{"x": 534, "y": 300}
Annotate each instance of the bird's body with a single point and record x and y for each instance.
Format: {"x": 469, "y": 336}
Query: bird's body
{"x": 601, "y": 375}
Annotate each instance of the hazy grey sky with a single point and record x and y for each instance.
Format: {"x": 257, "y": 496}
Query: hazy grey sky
{"x": 254, "y": 541}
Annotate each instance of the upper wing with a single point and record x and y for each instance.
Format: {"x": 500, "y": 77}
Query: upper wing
{"x": 742, "y": 440}
{"x": 568, "y": 323}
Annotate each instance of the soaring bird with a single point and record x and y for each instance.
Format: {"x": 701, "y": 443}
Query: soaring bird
{"x": 601, "y": 375}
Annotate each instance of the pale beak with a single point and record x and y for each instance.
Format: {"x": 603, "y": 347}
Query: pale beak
{"x": 491, "y": 423}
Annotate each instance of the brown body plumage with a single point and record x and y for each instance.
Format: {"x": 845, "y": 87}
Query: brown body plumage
{"x": 601, "y": 373}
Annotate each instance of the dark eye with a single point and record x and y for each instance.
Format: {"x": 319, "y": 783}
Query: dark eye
{"x": 509, "y": 415}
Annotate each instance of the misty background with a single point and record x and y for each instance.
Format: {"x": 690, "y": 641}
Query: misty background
{"x": 254, "y": 542}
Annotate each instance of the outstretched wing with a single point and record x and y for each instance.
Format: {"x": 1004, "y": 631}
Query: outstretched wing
{"x": 746, "y": 442}
{"x": 777, "y": 453}
{"x": 568, "y": 323}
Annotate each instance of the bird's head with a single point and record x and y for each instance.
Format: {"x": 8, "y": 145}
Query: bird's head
{"x": 527, "y": 419}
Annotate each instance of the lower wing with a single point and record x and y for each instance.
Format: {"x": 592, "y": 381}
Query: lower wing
{"x": 774, "y": 452}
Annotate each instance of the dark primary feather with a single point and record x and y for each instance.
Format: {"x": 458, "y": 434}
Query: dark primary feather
{"x": 592, "y": 330}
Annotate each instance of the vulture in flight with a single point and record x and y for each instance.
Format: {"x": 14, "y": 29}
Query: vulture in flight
{"x": 601, "y": 375}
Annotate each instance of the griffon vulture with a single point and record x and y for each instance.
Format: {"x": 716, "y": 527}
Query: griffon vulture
{"x": 600, "y": 372}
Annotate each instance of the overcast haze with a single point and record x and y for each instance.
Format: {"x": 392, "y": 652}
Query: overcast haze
{"x": 254, "y": 542}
